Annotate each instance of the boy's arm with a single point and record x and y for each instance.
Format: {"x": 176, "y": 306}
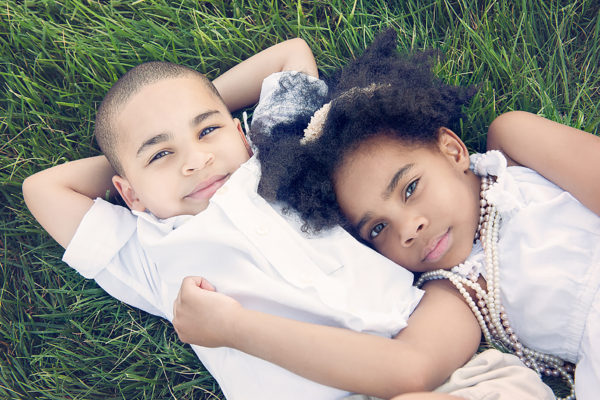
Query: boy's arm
{"x": 442, "y": 334}
{"x": 59, "y": 197}
{"x": 566, "y": 156}
{"x": 240, "y": 86}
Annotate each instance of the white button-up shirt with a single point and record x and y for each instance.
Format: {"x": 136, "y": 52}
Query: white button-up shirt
{"x": 247, "y": 249}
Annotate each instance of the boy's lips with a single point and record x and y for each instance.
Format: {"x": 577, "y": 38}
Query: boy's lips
{"x": 205, "y": 190}
{"x": 437, "y": 247}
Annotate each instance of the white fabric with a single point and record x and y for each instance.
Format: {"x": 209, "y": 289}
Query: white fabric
{"x": 549, "y": 251}
{"x": 248, "y": 250}
{"x": 491, "y": 375}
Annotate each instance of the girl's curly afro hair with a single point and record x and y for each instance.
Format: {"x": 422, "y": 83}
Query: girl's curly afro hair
{"x": 398, "y": 96}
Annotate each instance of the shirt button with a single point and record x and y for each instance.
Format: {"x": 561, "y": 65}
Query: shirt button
{"x": 262, "y": 230}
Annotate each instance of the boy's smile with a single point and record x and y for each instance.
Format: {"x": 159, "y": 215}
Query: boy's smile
{"x": 418, "y": 205}
{"x": 206, "y": 189}
{"x": 178, "y": 145}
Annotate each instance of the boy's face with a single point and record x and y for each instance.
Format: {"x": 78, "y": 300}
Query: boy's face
{"x": 177, "y": 144}
{"x": 418, "y": 206}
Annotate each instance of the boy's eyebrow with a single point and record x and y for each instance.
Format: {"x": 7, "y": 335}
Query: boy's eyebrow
{"x": 202, "y": 116}
{"x": 395, "y": 179}
{"x": 161, "y": 137}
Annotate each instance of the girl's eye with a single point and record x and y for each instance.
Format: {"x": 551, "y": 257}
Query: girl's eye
{"x": 206, "y": 131}
{"x": 376, "y": 230}
{"x": 159, "y": 155}
{"x": 410, "y": 189}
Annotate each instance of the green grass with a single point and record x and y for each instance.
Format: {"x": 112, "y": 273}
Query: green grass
{"x": 61, "y": 336}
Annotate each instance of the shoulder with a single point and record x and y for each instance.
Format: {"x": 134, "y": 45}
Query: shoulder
{"x": 102, "y": 233}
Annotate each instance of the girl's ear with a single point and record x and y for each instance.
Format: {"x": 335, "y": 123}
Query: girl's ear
{"x": 454, "y": 148}
{"x": 127, "y": 193}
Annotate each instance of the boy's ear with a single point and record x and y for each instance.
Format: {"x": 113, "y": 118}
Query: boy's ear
{"x": 127, "y": 193}
{"x": 451, "y": 145}
{"x": 238, "y": 125}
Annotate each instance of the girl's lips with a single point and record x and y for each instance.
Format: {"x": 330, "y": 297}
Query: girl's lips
{"x": 205, "y": 190}
{"x": 437, "y": 248}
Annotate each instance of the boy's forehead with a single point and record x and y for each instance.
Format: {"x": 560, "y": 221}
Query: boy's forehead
{"x": 175, "y": 86}
{"x": 169, "y": 94}
{"x": 164, "y": 104}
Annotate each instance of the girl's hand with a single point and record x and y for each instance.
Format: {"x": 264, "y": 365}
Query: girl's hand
{"x": 442, "y": 334}
{"x": 201, "y": 315}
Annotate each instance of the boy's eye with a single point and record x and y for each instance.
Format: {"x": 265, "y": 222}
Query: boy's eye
{"x": 376, "y": 230}
{"x": 206, "y": 131}
{"x": 410, "y": 189}
{"x": 159, "y": 155}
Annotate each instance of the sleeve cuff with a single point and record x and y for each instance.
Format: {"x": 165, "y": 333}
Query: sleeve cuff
{"x": 103, "y": 231}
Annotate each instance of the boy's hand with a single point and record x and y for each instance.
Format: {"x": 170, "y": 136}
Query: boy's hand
{"x": 201, "y": 315}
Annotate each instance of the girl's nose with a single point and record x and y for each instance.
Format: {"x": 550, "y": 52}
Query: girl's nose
{"x": 197, "y": 160}
{"x": 410, "y": 230}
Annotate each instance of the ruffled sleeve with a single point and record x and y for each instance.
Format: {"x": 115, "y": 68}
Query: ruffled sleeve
{"x": 284, "y": 97}
{"x": 504, "y": 193}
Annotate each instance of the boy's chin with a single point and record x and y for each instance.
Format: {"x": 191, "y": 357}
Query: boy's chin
{"x": 196, "y": 209}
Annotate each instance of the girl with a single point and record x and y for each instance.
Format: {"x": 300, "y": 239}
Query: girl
{"x": 517, "y": 231}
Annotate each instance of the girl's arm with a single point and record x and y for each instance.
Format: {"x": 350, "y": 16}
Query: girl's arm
{"x": 566, "y": 156}
{"x": 240, "y": 86}
{"x": 442, "y": 334}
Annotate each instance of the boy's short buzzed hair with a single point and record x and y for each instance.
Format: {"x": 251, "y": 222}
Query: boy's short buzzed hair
{"x": 129, "y": 84}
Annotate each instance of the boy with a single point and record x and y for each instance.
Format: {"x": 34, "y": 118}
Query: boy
{"x": 177, "y": 153}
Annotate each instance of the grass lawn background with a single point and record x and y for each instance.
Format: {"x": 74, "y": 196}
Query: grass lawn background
{"x": 61, "y": 336}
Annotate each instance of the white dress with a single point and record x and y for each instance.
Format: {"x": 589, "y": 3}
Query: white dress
{"x": 549, "y": 250}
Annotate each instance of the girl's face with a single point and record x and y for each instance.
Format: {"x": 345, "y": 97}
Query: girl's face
{"x": 417, "y": 205}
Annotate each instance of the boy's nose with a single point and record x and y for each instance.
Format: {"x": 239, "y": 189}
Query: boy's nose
{"x": 197, "y": 160}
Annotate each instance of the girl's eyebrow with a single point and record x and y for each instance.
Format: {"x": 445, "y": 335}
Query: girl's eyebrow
{"x": 386, "y": 193}
{"x": 363, "y": 221}
{"x": 395, "y": 179}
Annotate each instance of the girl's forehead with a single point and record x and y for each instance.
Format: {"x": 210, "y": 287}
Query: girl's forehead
{"x": 382, "y": 146}
{"x": 377, "y": 158}
{"x": 363, "y": 164}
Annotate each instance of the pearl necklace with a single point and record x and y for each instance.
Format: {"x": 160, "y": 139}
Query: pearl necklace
{"x": 488, "y": 308}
